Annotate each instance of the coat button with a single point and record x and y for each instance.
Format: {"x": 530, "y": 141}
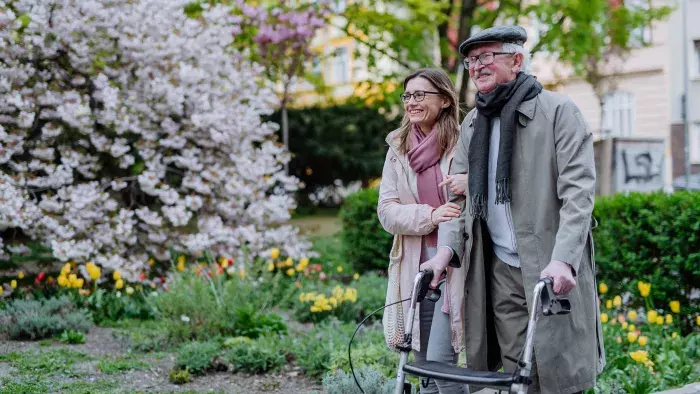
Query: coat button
{"x": 393, "y": 159}
{"x": 466, "y": 236}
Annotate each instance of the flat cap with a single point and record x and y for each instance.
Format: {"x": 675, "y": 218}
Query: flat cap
{"x": 504, "y": 34}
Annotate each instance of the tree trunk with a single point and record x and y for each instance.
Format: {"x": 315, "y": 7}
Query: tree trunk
{"x": 443, "y": 29}
{"x": 466, "y": 21}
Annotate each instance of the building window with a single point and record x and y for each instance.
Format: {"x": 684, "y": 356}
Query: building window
{"x": 619, "y": 114}
{"x": 694, "y": 136}
{"x": 340, "y": 66}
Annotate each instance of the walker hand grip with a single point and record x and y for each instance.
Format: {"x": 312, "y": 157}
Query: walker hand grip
{"x": 424, "y": 284}
{"x": 551, "y": 304}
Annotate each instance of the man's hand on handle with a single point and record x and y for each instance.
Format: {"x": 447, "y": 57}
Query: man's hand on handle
{"x": 437, "y": 264}
{"x": 562, "y": 275}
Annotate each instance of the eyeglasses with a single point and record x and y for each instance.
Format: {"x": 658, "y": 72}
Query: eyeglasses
{"x": 418, "y": 95}
{"x": 485, "y": 58}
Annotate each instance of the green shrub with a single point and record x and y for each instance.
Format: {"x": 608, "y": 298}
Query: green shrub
{"x": 197, "y": 357}
{"x": 72, "y": 337}
{"x": 195, "y": 308}
{"x": 372, "y": 382}
{"x": 257, "y": 356}
{"x": 312, "y": 351}
{"x": 107, "y": 305}
{"x": 366, "y": 243}
{"x": 373, "y": 354}
{"x": 33, "y": 319}
{"x": 179, "y": 376}
{"x": 653, "y": 238}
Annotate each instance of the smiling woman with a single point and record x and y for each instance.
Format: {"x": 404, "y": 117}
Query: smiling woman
{"x": 412, "y": 202}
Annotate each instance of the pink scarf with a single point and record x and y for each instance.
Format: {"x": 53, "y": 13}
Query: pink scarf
{"x": 424, "y": 159}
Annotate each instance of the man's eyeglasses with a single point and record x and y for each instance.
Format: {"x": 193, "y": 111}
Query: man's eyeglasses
{"x": 485, "y": 58}
{"x": 418, "y": 95}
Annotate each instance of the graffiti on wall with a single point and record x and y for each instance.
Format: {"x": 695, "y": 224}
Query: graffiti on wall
{"x": 639, "y": 165}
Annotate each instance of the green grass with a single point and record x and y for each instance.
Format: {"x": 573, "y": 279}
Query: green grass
{"x": 47, "y": 363}
{"x": 322, "y": 223}
{"x": 98, "y": 387}
{"x": 121, "y": 363}
{"x": 30, "y": 386}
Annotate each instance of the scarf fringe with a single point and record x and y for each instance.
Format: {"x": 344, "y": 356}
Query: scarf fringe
{"x": 477, "y": 206}
{"x": 503, "y": 191}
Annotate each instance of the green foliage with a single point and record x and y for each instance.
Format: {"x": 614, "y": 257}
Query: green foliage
{"x": 197, "y": 357}
{"x": 179, "y": 376}
{"x": 344, "y": 142}
{"x": 199, "y": 307}
{"x": 47, "y": 363}
{"x": 366, "y": 242}
{"x": 33, "y": 319}
{"x": 119, "y": 364}
{"x": 72, "y": 337}
{"x": 259, "y": 356}
{"x": 107, "y": 305}
{"x": 23, "y": 386}
{"x": 653, "y": 238}
{"x": 373, "y": 354}
{"x": 372, "y": 382}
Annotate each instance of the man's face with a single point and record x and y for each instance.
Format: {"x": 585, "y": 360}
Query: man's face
{"x": 503, "y": 69}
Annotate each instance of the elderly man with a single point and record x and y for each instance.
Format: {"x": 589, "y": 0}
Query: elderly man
{"x": 528, "y": 156}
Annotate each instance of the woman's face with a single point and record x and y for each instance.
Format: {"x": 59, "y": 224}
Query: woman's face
{"x": 424, "y": 113}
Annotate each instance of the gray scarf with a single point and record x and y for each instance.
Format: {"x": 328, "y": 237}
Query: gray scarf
{"x": 502, "y": 101}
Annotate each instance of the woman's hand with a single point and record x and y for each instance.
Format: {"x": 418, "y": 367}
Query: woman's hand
{"x": 444, "y": 213}
{"x": 457, "y": 183}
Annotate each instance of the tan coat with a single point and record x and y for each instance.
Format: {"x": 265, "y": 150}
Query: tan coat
{"x": 401, "y": 215}
{"x": 553, "y": 187}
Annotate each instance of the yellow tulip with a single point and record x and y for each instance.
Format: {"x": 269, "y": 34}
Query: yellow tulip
{"x": 290, "y": 271}
{"x": 289, "y": 262}
{"x": 151, "y": 262}
{"x": 643, "y": 340}
{"x": 275, "y": 253}
{"x": 660, "y": 320}
{"x": 304, "y": 261}
{"x": 119, "y": 284}
{"x": 20, "y": 275}
{"x": 340, "y": 268}
{"x": 669, "y": 319}
{"x": 1, "y": 290}
{"x": 604, "y": 318}
{"x": 608, "y": 304}
{"x": 66, "y": 269}
{"x": 270, "y": 266}
{"x": 632, "y": 315}
{"x": 624, "y": 325}
{"x": 62, "y": 281}
{"x": 129, "y": 290}
{"x": 631, "y": 337}
{"x": 13, "y": 284}
{"x": 674, "y": 335}
{"x": 116, "y": 275}
{"x": 356, "y": 276}
{"x": 617, "y": 301}
{"x": 181, "y": 264}
{"x": 644, "y": 288}
{"x": 632, "y": 327}
{"x": 675, "y": 306}
{"x": 79, "y": 283}
{"x": 602, "y": 288}
{"x": 697, "y": 320}
{"x": 651, "y": 316}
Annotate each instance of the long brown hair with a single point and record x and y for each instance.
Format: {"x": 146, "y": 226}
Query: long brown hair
{"x": 447, "y": 123}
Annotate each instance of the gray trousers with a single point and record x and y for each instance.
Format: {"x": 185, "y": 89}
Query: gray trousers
{"x": 510, "y": 316}
{"x": 436, "y": 345}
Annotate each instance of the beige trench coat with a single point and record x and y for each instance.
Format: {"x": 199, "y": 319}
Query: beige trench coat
{"x": 553, "y": 187}
{"x": 401, "y": 215}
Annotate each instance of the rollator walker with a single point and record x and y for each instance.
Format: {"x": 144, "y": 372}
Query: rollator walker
{"x": 518, "y": 382}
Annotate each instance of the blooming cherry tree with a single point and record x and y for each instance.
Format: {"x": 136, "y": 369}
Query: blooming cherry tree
{"x": 128, "y": 128}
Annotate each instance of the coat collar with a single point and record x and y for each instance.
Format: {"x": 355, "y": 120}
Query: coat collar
{"x": 526, "y": 108}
